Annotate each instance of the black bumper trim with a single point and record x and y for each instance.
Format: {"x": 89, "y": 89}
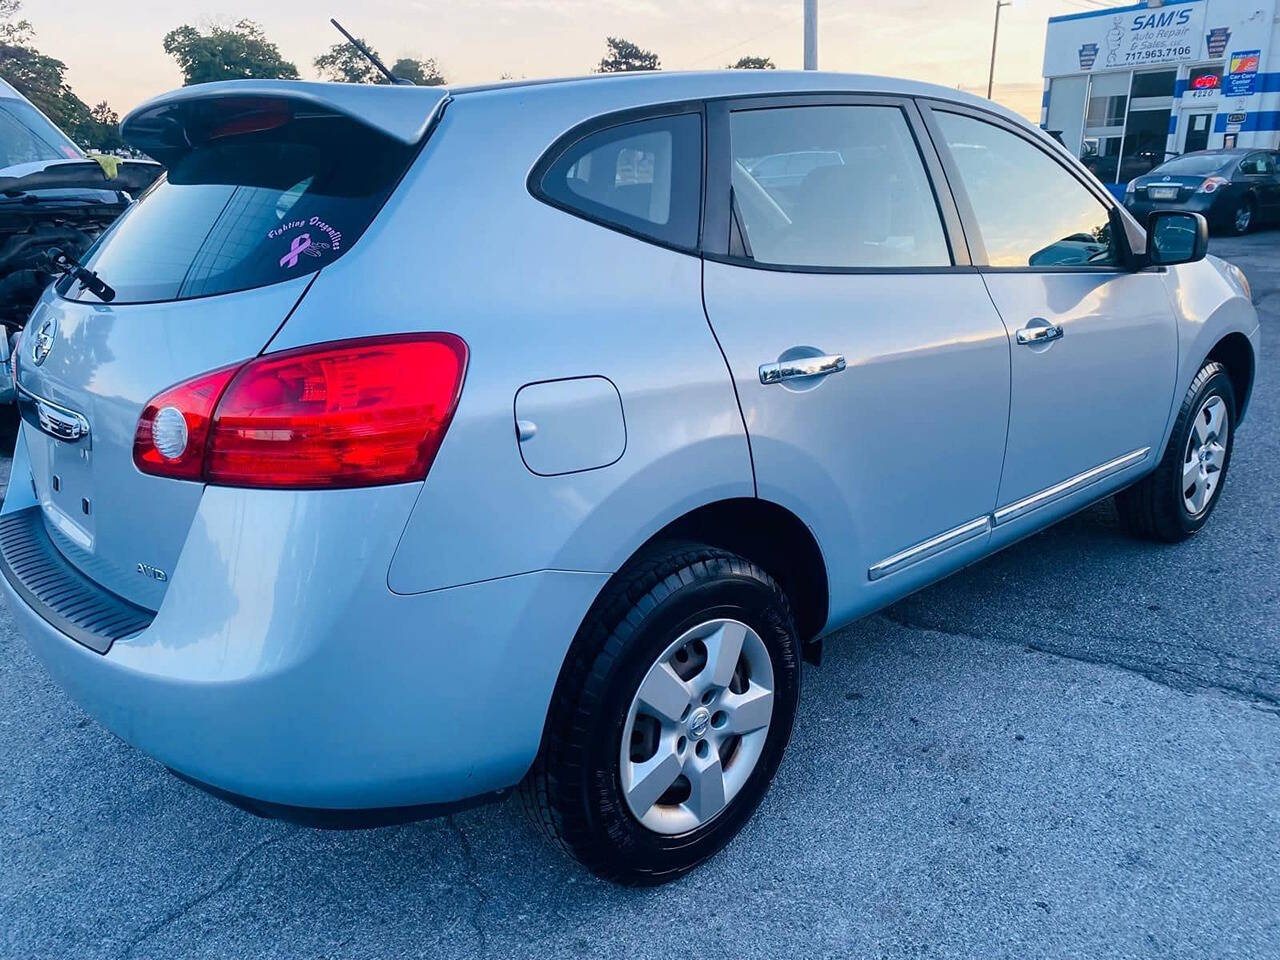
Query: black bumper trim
{"x": 63, "y": 596}
{"x": 326, "y": 818}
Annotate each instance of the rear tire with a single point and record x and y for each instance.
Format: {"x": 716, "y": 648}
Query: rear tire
{"x": 1243, "y": 217}
{"x": 1177, "y": 499}
{"x": 575, "y": 792}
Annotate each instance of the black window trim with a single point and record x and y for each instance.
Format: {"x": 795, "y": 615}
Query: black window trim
{"x": 619, "y": 118}
{"x": 717, "y": 212}
{"x": 1041, "y": 142}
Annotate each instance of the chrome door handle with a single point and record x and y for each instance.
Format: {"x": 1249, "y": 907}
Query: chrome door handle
{"x": 1029, "y": 336}
{"x": 801, "y": 367}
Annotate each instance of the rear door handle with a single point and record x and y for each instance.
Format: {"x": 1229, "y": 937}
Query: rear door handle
{"x": 801, "y": 367}
{"x": 1030, "y": 336}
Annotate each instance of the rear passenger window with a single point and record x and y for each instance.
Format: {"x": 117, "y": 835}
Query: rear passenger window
{"x": 833, "y": 186}
{"x": 643, "y": 177}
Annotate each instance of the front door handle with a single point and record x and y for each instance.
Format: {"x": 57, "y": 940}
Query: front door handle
{"x": 801, "y": 367}
{"x": 1043, "y": 333}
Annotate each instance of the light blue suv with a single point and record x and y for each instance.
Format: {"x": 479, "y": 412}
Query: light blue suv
{"x": 406, "y": 445}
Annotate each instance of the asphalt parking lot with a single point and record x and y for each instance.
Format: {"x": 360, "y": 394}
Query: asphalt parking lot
{"x": 1069, "y": 750}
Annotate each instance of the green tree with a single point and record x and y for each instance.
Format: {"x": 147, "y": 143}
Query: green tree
{"x": 624, "y": 56}
{"x": 343, "y": 63}
{"x": 752, "y": 63}
{"x": 41, "y": 78}
{"x": 238, "y": 52}
{"x": 424, "y": 73}
{"x": 106, "y": 128}
{"x": 12, "y": 30}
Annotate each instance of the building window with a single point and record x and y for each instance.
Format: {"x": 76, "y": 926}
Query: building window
{"x": 1106, "y": 111}
{"x": 1158, "y": 84}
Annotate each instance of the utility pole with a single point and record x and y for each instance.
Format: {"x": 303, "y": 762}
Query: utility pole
{"x": 991, "y": 74}
{"x": 810, "y": 34}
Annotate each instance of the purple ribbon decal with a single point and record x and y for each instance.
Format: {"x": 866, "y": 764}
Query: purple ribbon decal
{"x": 300, "y": 244}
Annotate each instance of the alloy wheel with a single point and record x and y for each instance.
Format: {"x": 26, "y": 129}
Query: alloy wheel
{"x": 1205, "y": 455}
{"x": 1244, "y": 216}
{"x": 697, "y": 726}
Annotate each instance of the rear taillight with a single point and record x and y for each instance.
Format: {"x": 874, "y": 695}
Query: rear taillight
{"x": 1213, "y": 184}
{"x": 348, "y": 414}
{"x": 173, "y": 430}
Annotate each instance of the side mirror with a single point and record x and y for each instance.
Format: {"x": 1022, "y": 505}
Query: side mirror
{"x": 1176, "y": 236}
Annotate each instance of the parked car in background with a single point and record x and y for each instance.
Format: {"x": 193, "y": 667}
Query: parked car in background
{"x": 396, "y": 476}
{"x": 52, "y": 196}
{"x": 1235, "y": 190}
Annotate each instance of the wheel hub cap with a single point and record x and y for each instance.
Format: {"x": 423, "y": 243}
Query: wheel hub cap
{"x": 697, "y": 726}
{"x": 699, "y": 722}
{"x": 1205, "y": 454}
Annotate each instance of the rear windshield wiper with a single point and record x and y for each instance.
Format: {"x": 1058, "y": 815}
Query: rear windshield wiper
{"x": 77, "y": 271}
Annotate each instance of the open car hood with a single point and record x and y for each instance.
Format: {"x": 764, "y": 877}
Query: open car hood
{"x": 168, "y": 126}
{"x": 132, "y": 176}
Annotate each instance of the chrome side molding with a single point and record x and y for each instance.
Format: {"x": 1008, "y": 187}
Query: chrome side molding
{"x": 1059, "y": 490}
{"x": 980, "y": 525}
{"x": 926, "y": 549}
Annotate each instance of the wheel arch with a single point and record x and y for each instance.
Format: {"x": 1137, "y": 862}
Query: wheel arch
{"x": 764, "y": 532}
{"x": 773, "y": 538}
{"x": 1235, "y": 352}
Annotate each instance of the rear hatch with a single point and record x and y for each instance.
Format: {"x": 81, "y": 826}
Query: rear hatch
{"x": 266, "y": 184}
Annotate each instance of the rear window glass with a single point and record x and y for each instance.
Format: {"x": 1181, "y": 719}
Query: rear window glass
{"x": 1194, "y": 165}
{"x": 27, "y": 137}
{"x": 643, "y": 177}
{"x": 249, "y": 210}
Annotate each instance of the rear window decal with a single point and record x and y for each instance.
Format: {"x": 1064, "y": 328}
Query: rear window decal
{"x": 304, "y": 243}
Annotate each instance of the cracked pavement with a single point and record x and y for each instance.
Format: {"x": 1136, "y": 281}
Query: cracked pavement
{"x": 1071, "y": 749}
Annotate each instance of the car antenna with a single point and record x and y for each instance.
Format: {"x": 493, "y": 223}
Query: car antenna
{"x": 372, "y": 57}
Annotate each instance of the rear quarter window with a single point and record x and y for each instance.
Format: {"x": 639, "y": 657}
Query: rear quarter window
{"x": 642, "y": 177}
{"x": 249, "y": 210}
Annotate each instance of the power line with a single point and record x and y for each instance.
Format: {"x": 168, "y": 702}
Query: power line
{"x": 743, "y": 43}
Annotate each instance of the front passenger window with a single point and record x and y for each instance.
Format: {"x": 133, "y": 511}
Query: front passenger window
{"x": 1031, "y": 212}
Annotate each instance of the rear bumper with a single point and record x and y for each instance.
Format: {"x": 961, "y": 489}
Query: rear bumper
{"x": 1205, "y": 204}
{"x": 281, "y": 669}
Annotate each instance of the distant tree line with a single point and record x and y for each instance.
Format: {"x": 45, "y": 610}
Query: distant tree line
{"x": 240, "y": 51}
{"x": 42, "y": 80}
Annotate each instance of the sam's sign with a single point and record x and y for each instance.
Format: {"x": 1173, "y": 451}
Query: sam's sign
{"x": 1119, "y": 41}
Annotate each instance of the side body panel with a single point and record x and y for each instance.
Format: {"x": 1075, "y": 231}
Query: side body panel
{"x": 452, "y": 251}
{"x": 903, "y": 445}
{"x": 1100, "y": 392}
{"x": 1209, "y": 303}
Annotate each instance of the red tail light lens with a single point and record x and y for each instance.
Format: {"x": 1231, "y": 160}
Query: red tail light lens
{"x": 347, "y": 414}
{"x": 1213, "y": 184}
{"x": 174, "y": 427}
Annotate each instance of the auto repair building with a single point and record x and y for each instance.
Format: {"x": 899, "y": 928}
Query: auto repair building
{"x": 1128, "y": 87}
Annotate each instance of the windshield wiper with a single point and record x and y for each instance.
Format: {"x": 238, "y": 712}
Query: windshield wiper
{"x": 77, "y": 271}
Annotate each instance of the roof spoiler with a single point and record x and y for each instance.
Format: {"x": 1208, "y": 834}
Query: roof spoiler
{"x": 172, "y": 124}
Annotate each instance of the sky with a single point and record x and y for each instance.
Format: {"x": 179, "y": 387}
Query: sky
{"x": 113, "y": 51}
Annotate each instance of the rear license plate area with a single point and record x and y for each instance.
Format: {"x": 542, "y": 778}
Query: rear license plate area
{"x": 1162, "y": 193}
{"x": 63, "y": 477}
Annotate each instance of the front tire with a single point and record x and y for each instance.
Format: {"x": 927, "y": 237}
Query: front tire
{"x": 1176, "y": 500}
{"x": 670, "y": 717}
